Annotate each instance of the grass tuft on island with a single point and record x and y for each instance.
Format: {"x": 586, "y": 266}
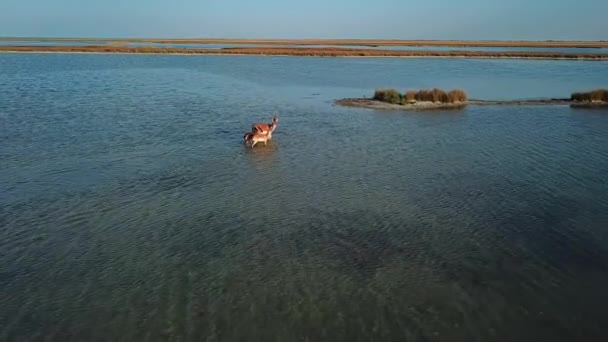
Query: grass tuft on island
{"x": 411, "y": 97}
{"x": 593, "y": 98}
{"x": 422, "y": 99}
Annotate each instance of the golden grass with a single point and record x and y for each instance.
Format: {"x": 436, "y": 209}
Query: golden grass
{"x": 457, "y": 95}
{"x": 320, "y": 52}
{"x": 432, "y": 95}
{"x": 410, "y": 96}
{"x": 597, "y": 95}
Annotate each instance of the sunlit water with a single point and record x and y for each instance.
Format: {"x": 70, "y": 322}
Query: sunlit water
{"x": 130, "y": 210}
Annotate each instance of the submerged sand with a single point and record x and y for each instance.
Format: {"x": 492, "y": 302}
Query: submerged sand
{"x": 420, "y": 105}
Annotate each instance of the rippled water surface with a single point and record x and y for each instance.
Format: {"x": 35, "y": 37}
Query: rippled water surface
{"x": 130, "y": 210}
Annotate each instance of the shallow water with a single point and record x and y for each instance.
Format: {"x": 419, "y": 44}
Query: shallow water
{"x": 130, "y": 210}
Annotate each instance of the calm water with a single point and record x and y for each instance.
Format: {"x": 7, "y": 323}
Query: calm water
{"x": 47, "y": 43}
{"x": 398, "y": 48}
{"x": 130, "y": 210}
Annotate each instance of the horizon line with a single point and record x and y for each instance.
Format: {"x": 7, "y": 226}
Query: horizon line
{"x": 295, "y": 39}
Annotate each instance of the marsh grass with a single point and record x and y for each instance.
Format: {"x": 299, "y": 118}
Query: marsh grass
{"x": 410, "y": 96}
{"x": 426, "y": 95}
{"x": 457, "y": 95}
{"x": 597, "y": 95}
{"x": 296, "y": 51}
{"x": 387, "y": 95}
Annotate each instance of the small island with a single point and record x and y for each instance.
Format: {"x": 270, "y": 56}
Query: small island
{"x": 411, "y": 100}
{"x": 435, "y": 99}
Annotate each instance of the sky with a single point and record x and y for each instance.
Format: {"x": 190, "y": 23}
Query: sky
{"x": 370, "y": 19}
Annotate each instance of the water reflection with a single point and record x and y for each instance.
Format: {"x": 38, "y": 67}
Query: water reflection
{"x": 262, "y": 157}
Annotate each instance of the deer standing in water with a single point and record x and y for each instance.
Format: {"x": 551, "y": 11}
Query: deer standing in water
{"x": 261, "y": 132}
{"x": 255, "y": 138}
{"x": 265, "y": 128}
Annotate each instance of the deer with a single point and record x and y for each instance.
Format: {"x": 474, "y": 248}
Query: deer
{"x": 265, "y": 128}
{"x": 261, "y": 132}
{"x": 255, "y": 138}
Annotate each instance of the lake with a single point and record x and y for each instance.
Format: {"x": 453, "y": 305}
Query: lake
{"x": 130, "y": 210}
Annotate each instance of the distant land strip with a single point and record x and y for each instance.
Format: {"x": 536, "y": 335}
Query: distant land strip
{"x": 361, "y": 42}
{"x": 320, "y": 52}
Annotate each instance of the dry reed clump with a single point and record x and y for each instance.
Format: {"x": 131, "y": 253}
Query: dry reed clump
{"x": 598, "y": 95}
{"x": 387, "y": 95}
{"x": 440, "y": 96}
{"x": 410, "y": 96}
{"x": 437, "y": 96}
{"x": 434, "y": 95}
{"x": 457, "y": 95}
{"x": 424, "y": 95}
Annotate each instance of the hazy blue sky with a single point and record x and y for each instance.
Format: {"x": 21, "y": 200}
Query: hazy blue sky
{"x": 437, "y": 19}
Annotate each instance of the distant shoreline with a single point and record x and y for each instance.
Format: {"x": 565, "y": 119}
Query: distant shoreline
{"x": 360, "y": 42}
{"x": 313, "y": 52}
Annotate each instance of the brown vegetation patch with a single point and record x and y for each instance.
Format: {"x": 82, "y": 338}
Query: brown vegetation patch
{"x": 387, "y": 95}
{"x": 411, "y": 97}
{"x": 597, "y": 95}
{"x": 457, "y": 95}
{"x": 321, "y": 52}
